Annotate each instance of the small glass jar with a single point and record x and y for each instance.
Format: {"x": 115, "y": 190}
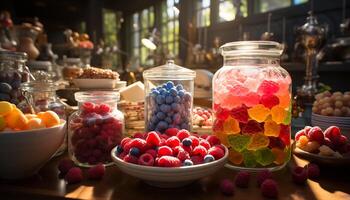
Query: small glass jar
{"x": 168, "y": 97}
{"x": 252, "y": 105}
{"x": 95, "y": 129}
{"x": 13, "y": 73}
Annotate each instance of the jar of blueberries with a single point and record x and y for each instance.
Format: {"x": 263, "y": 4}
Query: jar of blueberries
{"x": 13, "y": 73}
{"x": 168, "y": 97}
{"x": 95, "y": 129}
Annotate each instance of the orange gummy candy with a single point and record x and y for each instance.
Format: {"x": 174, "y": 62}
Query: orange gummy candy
{"x": 49, "y": 118}
{"x": 278, "y": 114}
{"x": 35, "y": 123}
{"x": 271, "y": 128}
{"x": 5, "y": 108}
{"x": 222, "y": 137}
{"x": 259, "y": 112}
{"x": 16, "y": 120}
{"x": 258, "y": 141}
{"x": 231, "y": 126}
{"x": 280, "y": 156}
{"x": 235, "y": 157}
{"x": 30, "y": 116}
{"x": 285, "y": 100}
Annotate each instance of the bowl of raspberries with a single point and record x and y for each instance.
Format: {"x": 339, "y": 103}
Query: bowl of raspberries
{"x": 170, "y": 159}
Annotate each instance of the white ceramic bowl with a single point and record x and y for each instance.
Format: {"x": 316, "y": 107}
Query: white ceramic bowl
{"x": 23, "y": 153}
{"x": 170, "y": 177}
{"x": 97, "y": 83}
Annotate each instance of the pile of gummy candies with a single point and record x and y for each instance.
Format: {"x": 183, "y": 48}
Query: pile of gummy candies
{"x": 254, "y": 123}
{"x": 174, "y": 148}
{"x": 94, "y": 133}
{"x": 12, "y": 119}
{"x": 169, "y": 106}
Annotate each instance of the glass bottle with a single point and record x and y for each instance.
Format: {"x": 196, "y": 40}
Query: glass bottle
{"x": 252, "y": 105}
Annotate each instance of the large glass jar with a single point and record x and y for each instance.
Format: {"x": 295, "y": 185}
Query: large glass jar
{"x": 95, "y": 129}
{"x": 252, "y": 105}
{"x": 168, "y": 97}
{"x": 13, "y": 73}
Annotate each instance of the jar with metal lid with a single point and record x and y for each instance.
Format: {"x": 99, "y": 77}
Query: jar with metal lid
{"x": 95, "y": 129}
{"x": 168, "y": 97}
{"x": 252, "y": 105}
{"x": 13, "y": 73}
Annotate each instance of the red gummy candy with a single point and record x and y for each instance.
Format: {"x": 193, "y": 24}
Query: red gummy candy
{"x": 276, "y": 142}
{"x": 252, "y": 127}
{"x": 251, "y": 99}
{"x": 268, "y": 87}
{"x": 172, "y": 142}
{"x": 222, "y": 113}
{"x": 153, "y": 138}
{"x": 269, "y": 100}
{"x": 285, "y": 134}
{"x": 165, "y": 151}
{"x": 199, "y": 151}
{"x": 213, "y": 140}
{"x": 240, "y": 114}
{"x": 168, "y": 161}
{"x": 217, "y": 152}
{"x": 218, "y": 125}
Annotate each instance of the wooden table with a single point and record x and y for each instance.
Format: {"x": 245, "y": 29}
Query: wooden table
{"x": 333, "y": 184}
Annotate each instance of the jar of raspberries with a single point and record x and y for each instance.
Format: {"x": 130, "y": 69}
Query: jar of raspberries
{"x": 95, "y": 129}
{"x": 252, "y": 105}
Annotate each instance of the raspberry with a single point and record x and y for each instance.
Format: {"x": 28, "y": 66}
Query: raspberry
{"x": 146, "y": 159}
{"x": 124, "y": 141}
{"x": 187, "y": 148}
{"x": 136, "y": 142}
{"x": 204, "y": 136}
{"x": 217, "y": 152}
{"x": 205, "y": 144}
{"x": 88, "y": 107}
{"x": 182, "y": 134}
{"x": 340, "y": 141}
{"x": 199, "y": 150}
{"x": 187, "y": 142}
{"x": 65, "y": 165}
{"x": 171, "y": 131}
{"x": 227, "y": 187}
{"x": 183, "y": 155}
{"x": 328, "y": 143}
{"x": 332, "y": 132}
{"x": 103, "y": 109}
{"x": 300, "y": 133}
{"x": 269, "y": 188}
{"x": 269, "y": 100}
{"x": 153, "y": 138}
{"x": 242, "y": 179}
{"x": 213, "y": 140}
{"x": 74, "y": 175}
{"x": 316, "y": 134}
{"x": 307, "y": 129}
{"x": 165, "y": 151}
{"x": 172, "y": 142}
{"x": 197, "y": 160}
{"x": 240, "y": 114}
{"x": 299, "y": 175}
{"x": 195, "y": 141}
{"x": 177, "y": 149}
{"x": 164, "y": 136}
{"x": 97, "y": 172}
{"x": 130, "y": 159}
{"x": 169, "y": 161}
{"x": 152, "y": 152}
{"x": 268, "y": 87}
{"x": 313, "y": 171}
{"x": 221, "y": 147}
{"x": 208, "y": 158}
{"x": 162, "y": 142}
{"x": 262, "y": 176}
{"x": 122, "y": 155}
{"x": 138, "y": 135}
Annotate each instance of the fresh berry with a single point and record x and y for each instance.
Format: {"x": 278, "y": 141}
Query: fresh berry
{"x": 187, "y": 163}
{"x": 134, "y": 151}
{"x": 74, "y": 175}
{"x": 307, "y": 129}
{"x": 97, "y": 172}
{"x": 217, "y": 152}
{"x": 316, "y": 134}
{"x": 199, "y": 151}
{"x": 103, "y": 109}
{"x": 171, "y": 131}
{"x": 122, "y": 155}
{"x": 172, "y": 142}
{"x": 197, "y": 160}
{"x": 195, "y": 141}
{"x": 204, "y": 136}
{"x": 183, "y": 155}
{"x": 146, "y": 159}
{"x": 182, "y": 134}
{"x": 208, "y": 158}
{"x": 205, "y": 144}
{"x": 152, "y": 152}
{"x": 130, "y": 159}
{"x": 262, "y": 176}
{"x": 332, "y": 133}
{"x": 187, "y": 148}
{"x": 269, "y": 188}
{"x": 269, "y": 100}
{"x": 124, "y": 141}
{"x": 119, "y": 150}
{"x": 138, "y": 135}
{"x": 165, "y": 151}
{"x": 153, "y": 138}
{"x": 169, "y": 161}
{"x": 300, "y": 133}
{"x": 177, "y": 149}
{"x": 313, "y": 171}
{"x": 213, "y": 140}
{"x": 227, "y": 187}
{"x": 242, "y": 179}
{"x": 299, "y": 175}
{"x": 137, "y": 142}
{"x": 187, "y": 142}
{"x": 65, "y": 165}
{"x": 340, "y": 141}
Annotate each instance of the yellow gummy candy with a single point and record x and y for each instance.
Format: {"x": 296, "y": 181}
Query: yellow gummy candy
{"x": 258, "y": 141}
{"x": 5, "y": 108}
{"x": 30, "y": 116}
{"x": 2, "y": 123}
{"x": 35, "y": 123}
{"x": 259, "y": 112}
{"x": 278, "y": 114}
{"x": 49, "y": 118}
{"x": 271, "y": 128}
{"x": 235, "y": 157}
{"x": 231, "y": 126}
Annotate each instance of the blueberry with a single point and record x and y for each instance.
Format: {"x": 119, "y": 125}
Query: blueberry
{"x": 187, "y": 96}
{"x": 151, "y": 127}
{"x": 5, "y": 88}
{"x": 168, "y": 119}
{"x": 185, "y": 126}
{"x": 171, "y": 126}
{"x": 169, "y": 85}
{"x": 175, "y": 107}
{"x": 160, "y": 99}
{"x": 187, "y": 142}
{"x": 159, "y": 88}
{"x": 119, "y": 150}
{"x": 154, "y": 119}
{"x": 170, "y": 114}
{"x": 4, "y": 97}
{"x": 179, "y": 87}
{"x": 164, "y": 86}
{"x": 169, "y": 99}
{"x": 134, "y": 151}
{"x": 181, "y": 93}
{"x": 173, "y": 92}
{"x": 165, "y": 108}
{"x": 208, "y": 158}
{"x": 177, "y": 118}
{"x": 188, "y": 162}
{"x": 162, "y": 125}
{"x": 155, "y": 92}
{"x": 161, "y": 115}
{"x": 89, "y": 121}
{"x": 162, "y": 91}
{"x": 177, "y": 99}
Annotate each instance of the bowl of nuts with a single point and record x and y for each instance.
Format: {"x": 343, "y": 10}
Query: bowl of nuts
{"x": 96, "y": 78}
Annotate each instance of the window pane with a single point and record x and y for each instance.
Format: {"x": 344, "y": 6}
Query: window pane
{"x": 296, "y": 2}
{"x": 110, "y": 26}
{"x": 268, "y": 5}
{"x": 203, "y": 13}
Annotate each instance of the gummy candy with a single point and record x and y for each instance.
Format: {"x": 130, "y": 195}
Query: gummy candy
{"x": 251, "y": 83}
{"x": 269, "y": 100}
{"x": 30, "y": 116}
{"x": 251, "y": 99}
{"x": 218, "y": 125}
{"x": 240, "y": 114}
{"x": 222, "y": 113}
{"x": 285, "y": 134}
{"x": 258, "y": 141}
{"x": 35, "y": 123}
{"x": 264, "y": 156}
{"x": 249, "y": 159}
{"x": 252, "y": 127}
{"x": 268, "y": 87}
{"x": 284, "y": 100}
{"x": 231, "y": 126}
{"x": 235, "y": 157}
{"x": 49, "y": 118}
{"x": 271, "y": 129}
{"x": 288, "y": 119}
{"x": 259, "y": 112}
{"x": 222, "y": 137}
{"x": 5, "y": 108}
{"x": 238, "y": 142}
{"x": 2, "y": 123}
{"x": 280, "y": 156}
{"x": 276, "y": 142}
{"x": 278, "y": 114}
{"x": 12, "y": 119}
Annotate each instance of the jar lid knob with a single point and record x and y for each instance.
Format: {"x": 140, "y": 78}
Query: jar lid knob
{"x": 170, "y": 62}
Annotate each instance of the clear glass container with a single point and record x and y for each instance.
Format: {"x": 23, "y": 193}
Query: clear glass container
{"x": 252, "y": 105}
{"x": 13, "y": 73}
{"x": 95, "y": 129}
{"x": 168, "y": 97}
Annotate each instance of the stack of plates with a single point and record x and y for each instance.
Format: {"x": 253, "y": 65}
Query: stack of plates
{"x": 326, "y": 121}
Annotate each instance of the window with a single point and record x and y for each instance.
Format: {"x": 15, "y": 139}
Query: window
{"x": 269, "y": 5}
{"x": 170, "y": 27}
{"x": 203, "y": 13}
{"x": 111, "y": 27}
{"x": 296, "y": 2}
{"x": 228, "y": 9}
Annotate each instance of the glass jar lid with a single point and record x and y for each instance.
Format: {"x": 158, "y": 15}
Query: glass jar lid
{"x": 39, "y": 86}
{"x": 252, "y": 48}
{"x": 97, "y": 96}
{"x": 169, "y": 71}
{"x": 10, "y": 55}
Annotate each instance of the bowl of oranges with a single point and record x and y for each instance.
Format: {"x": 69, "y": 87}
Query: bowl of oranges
{"x": 27, "y": 141}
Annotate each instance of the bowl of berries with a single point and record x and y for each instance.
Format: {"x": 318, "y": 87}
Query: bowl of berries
{"x": 172, "y": 159}
{"x": 328, "y": 147}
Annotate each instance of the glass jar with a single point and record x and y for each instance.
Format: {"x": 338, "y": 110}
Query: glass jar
{"x": 95, "y": 129}
{"x": 168, "y": 97}
{"x": 252, "y": 105}
{"x": 13, "y": 73}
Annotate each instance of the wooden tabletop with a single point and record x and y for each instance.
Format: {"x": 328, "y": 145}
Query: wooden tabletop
{"x": 333, "y": 184}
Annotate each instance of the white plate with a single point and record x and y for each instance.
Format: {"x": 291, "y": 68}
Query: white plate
{"x": 95, "y": 83}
